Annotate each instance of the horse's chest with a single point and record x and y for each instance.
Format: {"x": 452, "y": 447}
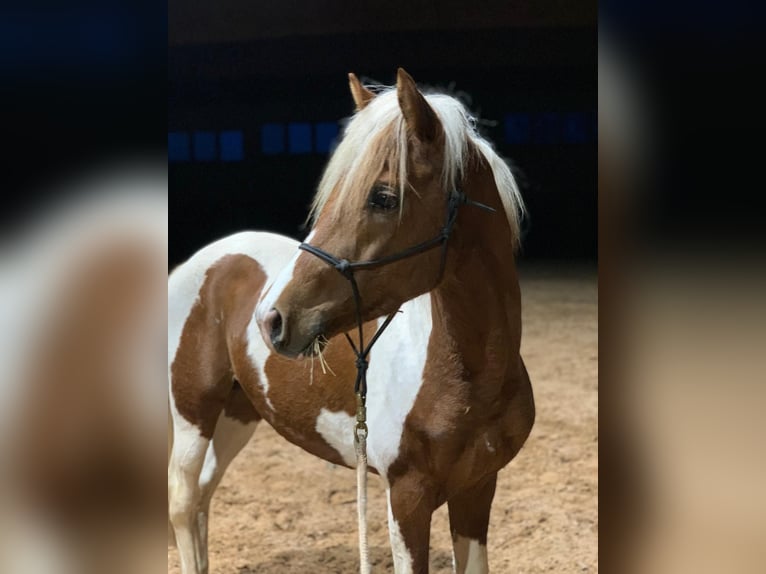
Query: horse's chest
{"x": 394, "y": 379}
{"x": 386, "y": 416}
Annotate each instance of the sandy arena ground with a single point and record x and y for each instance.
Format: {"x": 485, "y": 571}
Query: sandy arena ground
{"x": 280, "y": 509}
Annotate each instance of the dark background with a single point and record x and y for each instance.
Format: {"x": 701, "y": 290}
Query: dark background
{"x": 82, "y": 88}
{"x": 256, "y": 91}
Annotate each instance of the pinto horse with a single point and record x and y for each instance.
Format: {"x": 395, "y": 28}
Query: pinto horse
{"x": 449, "y": 398}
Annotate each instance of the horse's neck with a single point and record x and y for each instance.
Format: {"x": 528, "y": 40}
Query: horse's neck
{"x": 476, "y": 314}
{"x": 477, "y": 309}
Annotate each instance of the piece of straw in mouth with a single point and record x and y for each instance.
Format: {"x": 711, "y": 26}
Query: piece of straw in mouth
{"x": 319, "y": 344}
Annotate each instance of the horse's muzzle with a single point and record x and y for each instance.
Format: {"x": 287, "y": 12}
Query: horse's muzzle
{"x": 290, "y": 342}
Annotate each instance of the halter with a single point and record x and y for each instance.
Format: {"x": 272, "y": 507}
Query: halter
{"x": 348, "y": 268}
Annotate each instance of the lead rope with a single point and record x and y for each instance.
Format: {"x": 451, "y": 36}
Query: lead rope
{"x": 360, "y": 430}
{"x": 362, "y": 353}
{"x": 360, "y": 440}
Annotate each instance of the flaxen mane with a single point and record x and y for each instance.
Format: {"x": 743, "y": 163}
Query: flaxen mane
{"x": 377, "y": 136}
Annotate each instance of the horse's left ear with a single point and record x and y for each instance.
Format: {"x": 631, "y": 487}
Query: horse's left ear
{"x": 420, "y": 117}
{"x": 362, "y": 96}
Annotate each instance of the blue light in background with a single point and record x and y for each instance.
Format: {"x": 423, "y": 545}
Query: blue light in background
{"x": 178, "y": 146}
{"x": 517, "y": 129}
{"x": 232, "y": 145}
{"x": 325, "y": 135}
{"x": 547, "y": 128}
{"x": 204, "y": 146}
{"x": 575, "y": 128}
{"x": 299, "y": 135}
{"x": 272, "y": 138}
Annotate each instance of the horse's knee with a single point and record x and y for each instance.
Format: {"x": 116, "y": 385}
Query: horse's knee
{"x": 182, "y": 507}
{"x": 183, "y": 496}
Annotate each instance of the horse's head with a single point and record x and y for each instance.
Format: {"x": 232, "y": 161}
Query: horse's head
{"x": 393, "y": 146}
{"x": 384, "y": 190}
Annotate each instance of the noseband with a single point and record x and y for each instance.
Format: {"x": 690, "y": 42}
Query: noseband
{"x": 347, "y": 268}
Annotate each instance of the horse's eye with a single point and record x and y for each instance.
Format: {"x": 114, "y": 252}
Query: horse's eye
{"x": 383, "y": 199}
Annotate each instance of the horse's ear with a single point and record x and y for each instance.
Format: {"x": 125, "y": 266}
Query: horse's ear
{"x": 420, "y": 118}
{"x": 361, "y": 95}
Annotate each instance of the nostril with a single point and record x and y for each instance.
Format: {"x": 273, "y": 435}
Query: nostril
{"x": 274, "y": 326}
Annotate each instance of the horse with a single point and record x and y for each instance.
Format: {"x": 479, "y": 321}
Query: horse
{"x": 449, "y": 399}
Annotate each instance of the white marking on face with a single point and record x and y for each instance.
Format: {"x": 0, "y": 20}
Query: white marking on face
{"x": 273, "y": 291}
{"x": 488, "y": 444}
{"x": 394, "y": 379}
{"x": 402, "y": 557}
{"x": 469, "y": 557}
{"x": 258, "y": 350}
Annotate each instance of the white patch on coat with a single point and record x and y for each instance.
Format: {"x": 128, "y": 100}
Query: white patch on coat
{"x": 229, "y": 438}
{"x": 402, "y": 556}
{"x": 477, "y": 559}
{"x": 459, "y": 554}
{"x": 469, "y": 557}
{"x": 186, "y": 461}
{"x": 271, "y": 251}
{"x": 337, "y": 429}
{"x": 488, "y": 444}
{"x": 188, "y": 443}
{"x": 394, "y": 379}
{"x": 258, "y": 352}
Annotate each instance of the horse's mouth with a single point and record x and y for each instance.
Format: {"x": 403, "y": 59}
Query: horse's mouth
{"x": 315, "y": 347}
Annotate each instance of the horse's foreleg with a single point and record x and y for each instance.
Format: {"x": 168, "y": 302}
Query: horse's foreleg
{"x": 186, "y": 461}
{"x": 469, "y": 522}
{"x": 231, "y": 435}
{"x": 411, "y": 503}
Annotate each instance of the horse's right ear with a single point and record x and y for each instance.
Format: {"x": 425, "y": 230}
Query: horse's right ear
{"x": 420, "y": 118}
{"x": 361, "y": 95}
